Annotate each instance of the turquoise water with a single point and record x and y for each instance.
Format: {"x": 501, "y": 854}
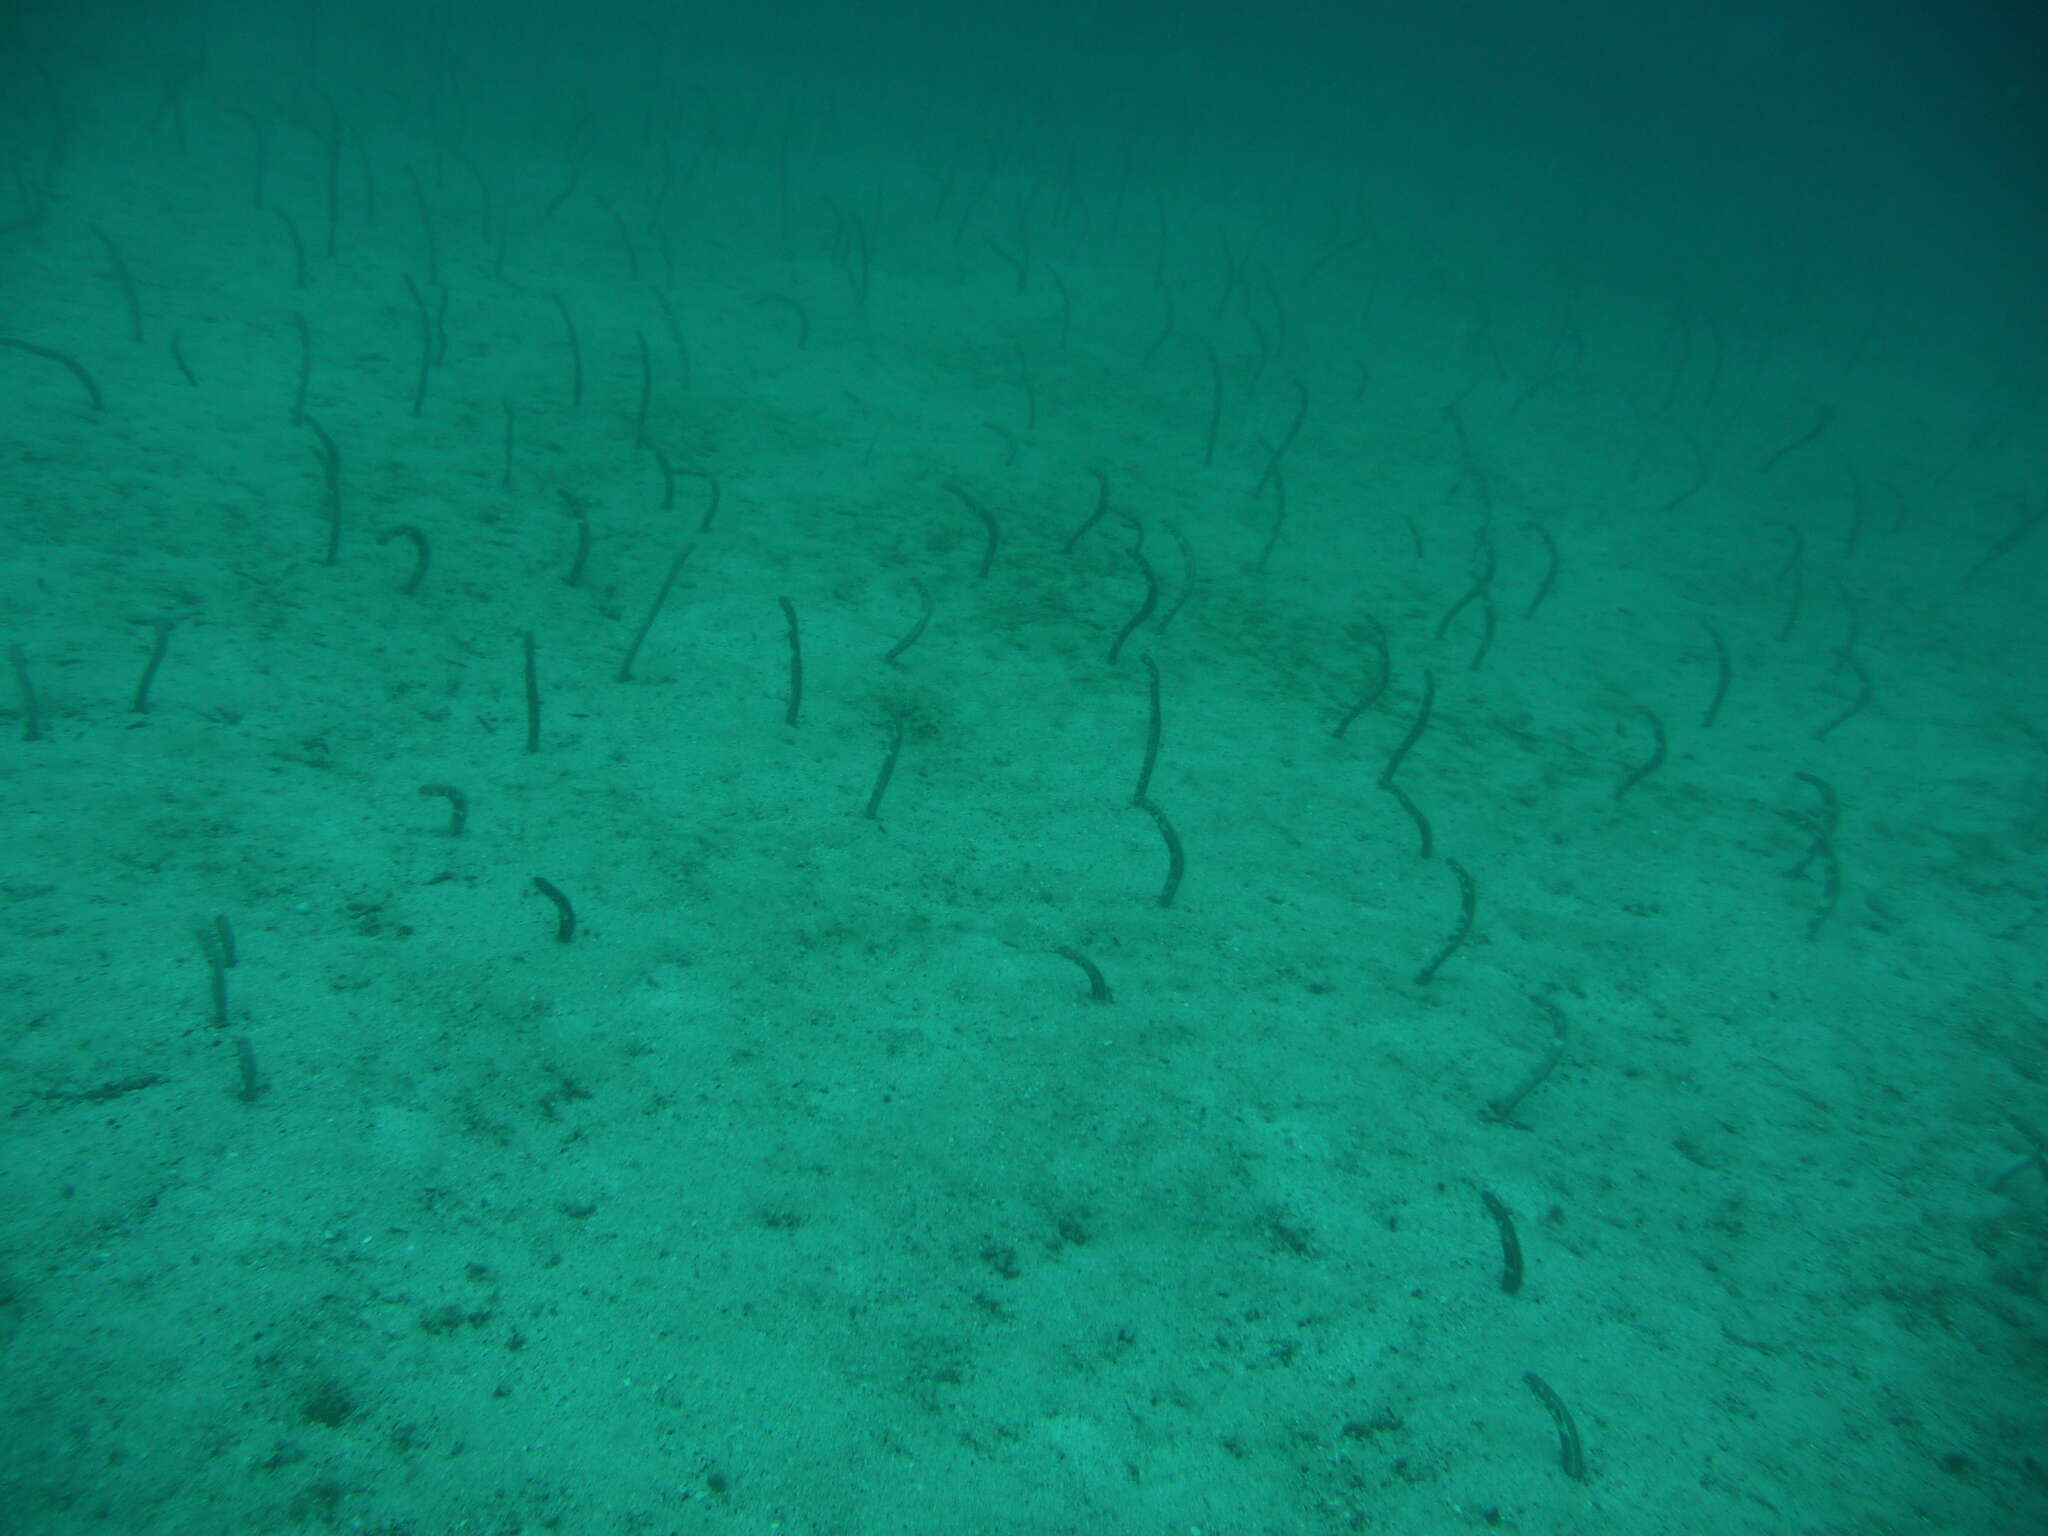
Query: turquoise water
{"x": 924, "y": 770}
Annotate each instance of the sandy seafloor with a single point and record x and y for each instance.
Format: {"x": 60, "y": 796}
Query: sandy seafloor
{"x": 807, "y": 1190}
